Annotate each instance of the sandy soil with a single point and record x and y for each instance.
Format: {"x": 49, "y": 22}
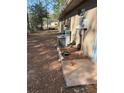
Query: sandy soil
{"x": 44, "y": 73}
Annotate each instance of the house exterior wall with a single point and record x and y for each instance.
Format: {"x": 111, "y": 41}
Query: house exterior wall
{"x": 88, "y": 42}
{"x": 73, "y": 30}
{"x": 74, "y": 35}
{"x": 90, "y": 37}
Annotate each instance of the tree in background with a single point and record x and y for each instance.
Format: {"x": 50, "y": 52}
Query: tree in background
{"x": 42, "y": 12}
{"x": 57, "y": 7}
{"x": 37, "y": 12}
{"x": 48, "y": 5}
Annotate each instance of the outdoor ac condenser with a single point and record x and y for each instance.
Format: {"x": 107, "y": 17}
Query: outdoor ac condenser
{"x": 61, "y": 41}
{"x": 64, "y": 39}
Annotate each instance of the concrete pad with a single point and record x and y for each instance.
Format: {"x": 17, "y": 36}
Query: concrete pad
{"x": 79, "y": 72}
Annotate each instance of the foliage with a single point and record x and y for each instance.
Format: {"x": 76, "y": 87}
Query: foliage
{"x": 56, "y": 8}
{"x": 37, "y": 12}
{"x": 57, "y": 5}
{"x": 62, "y": 2}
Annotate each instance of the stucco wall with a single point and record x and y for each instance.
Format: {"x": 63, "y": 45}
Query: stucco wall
{"x": 91, "y": 21}
{"x": 90, "y": 37}
{"x": 74, "y": 23}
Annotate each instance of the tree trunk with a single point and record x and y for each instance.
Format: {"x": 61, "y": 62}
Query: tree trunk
{"x": 47, "y": 21}
{"x": 28, "y": 29}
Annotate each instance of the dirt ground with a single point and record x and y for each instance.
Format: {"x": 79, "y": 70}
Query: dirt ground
{"x": 44, "y": 73}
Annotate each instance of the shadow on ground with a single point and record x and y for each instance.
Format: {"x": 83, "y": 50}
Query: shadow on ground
{"x": 44, "y": 74}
